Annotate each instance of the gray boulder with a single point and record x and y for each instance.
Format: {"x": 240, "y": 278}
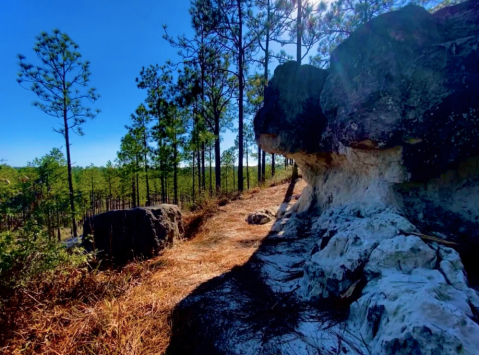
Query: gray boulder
{"x": 137, "y": 233}
{"x": 406, "y": 78}
{"x": 262, "y": 216}
{"x": 400, "y": 102}
{"x": 291, "y": 117}
{"x": 403, "y": 80}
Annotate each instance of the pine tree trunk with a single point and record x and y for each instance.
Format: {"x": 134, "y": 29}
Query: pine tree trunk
{"x": 148, "y": 202}
{"x": 272, "y": 165}
{"x": 137, "y": 191}
{"x": 193, "y": 176}
{"x": 203, "y": 168}
{"x": 69, "y": 167}
{"x": 217, "y": 155}
{"x": 299, "y": 32}
{"x": 241, "y": 92}
{"x": 211, "y": 173}
{"x": 263, "y": 167}
{"x": 234, "y": 182}
{"x": 133, "y": 192}
{"x": 175, "y": 173}
{"x": 58, "y": 222}
{"x": 92, "y": 196}
{"x": 247, "y": 169}
{"x": 162, "y": 179}
{"x": 202, "y": 65}
{"x": 259, "y": 165}
{"x": 110, "y": 196}
{"x": 294, "y": 174}
{"x": 137, "y": 182}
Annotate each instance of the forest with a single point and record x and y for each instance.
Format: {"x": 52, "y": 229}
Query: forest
{"x": 171, "y": 151}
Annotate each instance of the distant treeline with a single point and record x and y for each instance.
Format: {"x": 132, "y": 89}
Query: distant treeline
{"x": 40, "y": 190}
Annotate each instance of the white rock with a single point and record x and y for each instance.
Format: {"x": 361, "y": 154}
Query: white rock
{"x": 401, "y": 253}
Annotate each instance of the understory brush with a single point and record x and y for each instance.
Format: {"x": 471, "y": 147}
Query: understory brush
{"x": 26, "y": 253}
{"x": 42, "y": 284}
{"x": 58, "y": 300}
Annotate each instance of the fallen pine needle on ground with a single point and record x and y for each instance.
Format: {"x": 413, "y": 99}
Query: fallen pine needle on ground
{"x": 127, "y": 312}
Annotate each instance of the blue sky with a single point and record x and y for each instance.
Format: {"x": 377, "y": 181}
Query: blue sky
{"x": 117, "y": 36}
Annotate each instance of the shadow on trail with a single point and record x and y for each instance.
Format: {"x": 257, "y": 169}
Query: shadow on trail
{"x": 239, "y": 307}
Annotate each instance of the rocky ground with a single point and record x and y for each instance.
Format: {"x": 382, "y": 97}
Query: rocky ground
{"x": 356, "y": 279}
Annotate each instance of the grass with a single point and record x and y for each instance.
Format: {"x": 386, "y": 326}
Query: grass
{"x": 127, "y": 310}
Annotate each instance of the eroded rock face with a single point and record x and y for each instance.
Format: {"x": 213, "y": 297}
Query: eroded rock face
{"x": 136, "y": 233}
{"x": 394, "y": 156}
{"x": 416, "y": 299}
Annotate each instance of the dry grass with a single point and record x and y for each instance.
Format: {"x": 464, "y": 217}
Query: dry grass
{"x": 127, "y": 311}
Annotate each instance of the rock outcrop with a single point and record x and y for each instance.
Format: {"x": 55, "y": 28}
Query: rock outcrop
{"x": 137, "y": 233}
{"x": 291, "y": 116}
{"x": 388, "y": 140}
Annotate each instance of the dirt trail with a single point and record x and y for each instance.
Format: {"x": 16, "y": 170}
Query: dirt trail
{"x": 137, "y": 322}
{"x": 225, "y": 241}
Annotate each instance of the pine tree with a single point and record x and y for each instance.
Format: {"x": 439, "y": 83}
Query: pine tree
{"x": 155, "y": 80}
{"x": 58, "y": 81}
{"x": 229, "y": 24}
{"x": 140, "y": 129}
{"x": 219, "y": 90}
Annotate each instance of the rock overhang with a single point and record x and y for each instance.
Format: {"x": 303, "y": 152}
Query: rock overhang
{"x": 400, "y": 80}
{"x": 291, "y": 117}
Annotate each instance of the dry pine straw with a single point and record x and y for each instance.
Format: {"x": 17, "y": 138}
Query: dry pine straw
{"x": 136, "y": 322}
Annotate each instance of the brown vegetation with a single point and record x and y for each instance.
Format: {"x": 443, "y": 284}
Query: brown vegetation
{"x": 127, "y": 311}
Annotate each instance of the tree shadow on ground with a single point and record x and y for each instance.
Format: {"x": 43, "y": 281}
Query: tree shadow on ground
{"x": 239, "y": 305}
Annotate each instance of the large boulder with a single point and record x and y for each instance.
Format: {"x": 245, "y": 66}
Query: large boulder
{"x": 291, "y": 116}
{"x": 406, "y": 78}
{"x": 401, "y": 80}
{"x": 137, "y": 233}
{"x": 399, "y": 106}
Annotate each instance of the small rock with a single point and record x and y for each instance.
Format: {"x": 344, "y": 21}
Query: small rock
{"x": 262, "y": 216}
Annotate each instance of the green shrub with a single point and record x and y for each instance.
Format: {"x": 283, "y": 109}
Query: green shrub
{"x": 29, "y": 252}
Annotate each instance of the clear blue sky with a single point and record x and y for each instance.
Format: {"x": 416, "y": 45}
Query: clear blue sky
{"x": 117, "y": 36}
